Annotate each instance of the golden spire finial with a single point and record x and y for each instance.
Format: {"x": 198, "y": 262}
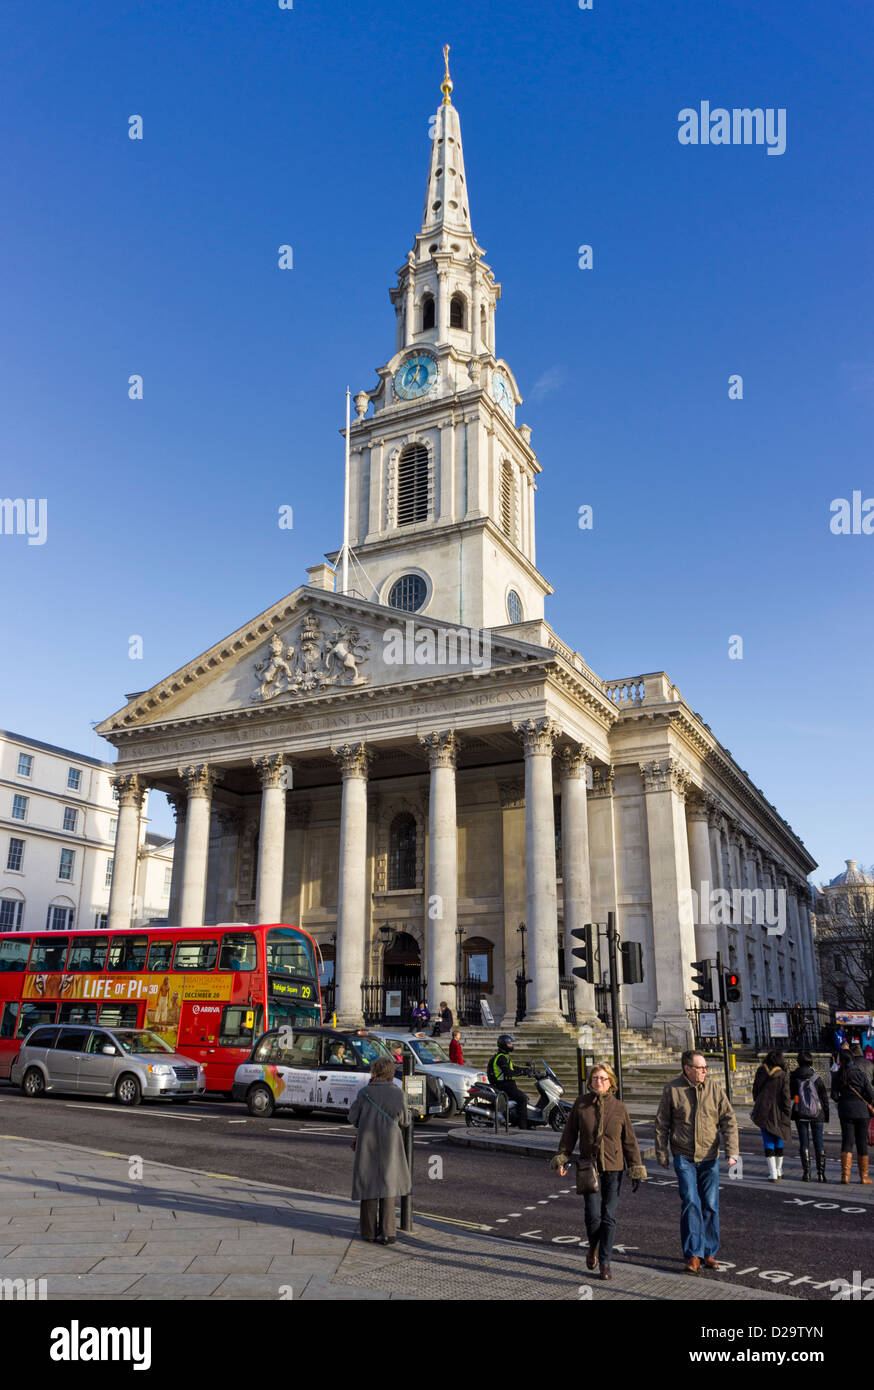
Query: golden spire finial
{"x": 446, "y": 84}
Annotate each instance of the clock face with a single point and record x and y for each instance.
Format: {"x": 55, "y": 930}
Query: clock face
{"x": 415, "y": 377}
{"x": 501, "y": 392}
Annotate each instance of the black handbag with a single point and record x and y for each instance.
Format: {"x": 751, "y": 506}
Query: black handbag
{"x": 587, "y": 1178}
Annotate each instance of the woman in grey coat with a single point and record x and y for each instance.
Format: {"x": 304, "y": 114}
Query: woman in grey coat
{"x": 381, "y": 1172}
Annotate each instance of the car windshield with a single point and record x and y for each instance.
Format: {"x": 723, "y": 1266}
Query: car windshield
{"x": 429, "y": 1052}
{"x": 140, "y": 1040}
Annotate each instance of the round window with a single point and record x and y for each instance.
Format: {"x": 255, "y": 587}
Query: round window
{"x": 514, "y": 607}
{"x": 409, "y": 593}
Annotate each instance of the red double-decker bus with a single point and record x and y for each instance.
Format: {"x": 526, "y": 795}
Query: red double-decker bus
{"x": 208, "y": 991}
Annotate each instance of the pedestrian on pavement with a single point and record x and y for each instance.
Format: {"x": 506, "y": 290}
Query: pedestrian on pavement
{"x": 855, "y": 1096}
{"x": 455, "y": 1053}
{"x": 602, "y": 1126}
{"x": 446, "y": 1019}
{"x": 693, "y": 1113}
{"x": 421, "y": 1016}
{"x": 381, "y": 1173}
{"x": 772, "y": 1110}
{"x": 810, "y": 1111}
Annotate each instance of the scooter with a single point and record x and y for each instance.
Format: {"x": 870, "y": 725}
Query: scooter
{"x": 549, "y": 1109}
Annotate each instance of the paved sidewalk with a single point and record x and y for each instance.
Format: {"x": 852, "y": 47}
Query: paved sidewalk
{"x": 76, "y": 1218}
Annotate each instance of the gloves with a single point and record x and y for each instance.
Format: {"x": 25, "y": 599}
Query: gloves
{"x": 664, "y": 1162}
{"x": 559, "y": 1160}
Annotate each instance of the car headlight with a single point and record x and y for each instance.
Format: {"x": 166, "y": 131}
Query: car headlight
{"x": 160, "y": 1069}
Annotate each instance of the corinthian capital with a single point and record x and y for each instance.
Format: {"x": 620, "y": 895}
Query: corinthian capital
{"x": 665, "y": 774}
{"x": 273, "y": 770}
{"x": 537, "y": 735}
{"x": 442, "y": 748}
{"x": 129, "y": 789}
{"x": 199, "y": 779}
{"x": 353, "y": 759}
{"x": 602, "y": 780}
{"x": 572, "y": 761}
{"x": 179, "y": 806}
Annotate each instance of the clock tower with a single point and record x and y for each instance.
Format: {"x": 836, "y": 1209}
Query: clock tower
{"x": 442, "y": 479}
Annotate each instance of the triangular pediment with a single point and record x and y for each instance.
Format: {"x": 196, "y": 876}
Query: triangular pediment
{"x": 314, "y": 644}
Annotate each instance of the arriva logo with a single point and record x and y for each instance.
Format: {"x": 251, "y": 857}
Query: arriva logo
{"x": 75, "y": 1343}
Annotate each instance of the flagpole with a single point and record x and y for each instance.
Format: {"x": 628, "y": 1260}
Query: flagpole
{"x": 345, "y": 569}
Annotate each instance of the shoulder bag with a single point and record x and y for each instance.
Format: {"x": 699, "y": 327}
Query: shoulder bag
{"x": 587, "y": 1178}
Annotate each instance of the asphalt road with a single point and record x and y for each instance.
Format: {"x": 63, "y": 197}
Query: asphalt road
{"x": 764, "y": 1229}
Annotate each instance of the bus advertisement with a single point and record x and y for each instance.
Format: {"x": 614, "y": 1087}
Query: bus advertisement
{"x": 207, "y": 991}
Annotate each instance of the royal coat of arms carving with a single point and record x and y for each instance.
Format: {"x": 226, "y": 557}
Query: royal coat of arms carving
{"x": 317, "y": 661}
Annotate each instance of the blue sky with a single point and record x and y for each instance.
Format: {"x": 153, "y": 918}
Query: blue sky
{"x": 309, "y": 127}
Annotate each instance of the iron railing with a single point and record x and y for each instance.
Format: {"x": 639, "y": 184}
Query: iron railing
{"x": 373, "y": 1001}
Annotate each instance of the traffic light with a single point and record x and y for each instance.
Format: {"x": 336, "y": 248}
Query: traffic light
{"x": 731, "y": 986}
{"x": 702, "y": 977}
{"x": 584, "y": 953}
{"x": 632, "y": 963}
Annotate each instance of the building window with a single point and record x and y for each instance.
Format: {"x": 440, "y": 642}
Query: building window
{"x": 427, "y": 312}
{"x": 108, "y": 880}
{"x": 839, "y": 964}
{"x": 409, "y": 593}
{"x": 456, "y": 311}
{"x": 10, "y": 914}
{"x": 168, "y": 879}
{"x": 59, "y": 919}
{"x": 65, "y": 869}
{"x": 412, "y": 490}
{"x": 15, "y": 856}
{"x": 508, "y": 501}
{"x": 25, "y": 765}
{"x": 477, "y": 953}
{"x": 402, "y": 852}
{"x": 113, "y": 827}
{"x": 74, "y": 779}
{"x": 101, "y": 921}
{"x": 19, "y": 807}
{"x": 514, "y": 607}
{"x": 71, "y": 816}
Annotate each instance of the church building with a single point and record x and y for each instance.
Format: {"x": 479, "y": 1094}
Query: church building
{"x": 415, "y": 768}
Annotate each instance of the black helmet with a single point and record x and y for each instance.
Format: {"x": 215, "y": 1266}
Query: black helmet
{"x": 506, "y": 1042}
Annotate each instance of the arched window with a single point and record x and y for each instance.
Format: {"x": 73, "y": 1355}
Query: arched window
{"x": 478, "y": 953}
{"x": 456, "y": 311}
{"x": 412, "y": 492}
{"x": 514, "y": 607}
{"x": 402, "y": 852}
{"x": 409, "y": 593}
{"x": 508, "y": 501}
{"x": 427, "y": 312}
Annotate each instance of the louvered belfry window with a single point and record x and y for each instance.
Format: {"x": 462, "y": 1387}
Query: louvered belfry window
{"x": 412, "y": 485}
{"x": 507, "y": 490}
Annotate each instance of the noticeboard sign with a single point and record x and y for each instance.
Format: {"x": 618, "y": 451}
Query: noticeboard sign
{"x": 394, "y": 1002}
{"x": 486, "y": 1014}
{"x": 707, "y": 1026}
{"x": 779, "y": 1024}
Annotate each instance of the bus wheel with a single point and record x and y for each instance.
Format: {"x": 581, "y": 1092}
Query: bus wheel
{"x": 128, "y": 1092}
{"x": 33, "y": 1084}
{"x": 260, "y": 1102}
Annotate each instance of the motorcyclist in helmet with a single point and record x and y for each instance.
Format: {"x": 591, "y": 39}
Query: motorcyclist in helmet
{"x": 502, "y": 1073}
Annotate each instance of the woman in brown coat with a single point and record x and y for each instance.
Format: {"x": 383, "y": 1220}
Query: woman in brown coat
{"x": 603, "y": 1127}
{"x": 772, "y": 1111}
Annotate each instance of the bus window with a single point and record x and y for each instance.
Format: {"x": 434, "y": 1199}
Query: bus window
{"x": 88, "y": 953}
{"x": 119, "y": 1015}
{"x": 128, "y": 952}
{"x": 238, "y": 951}
{"x": 240, "y": 1026}
{"x": 195, "y": 955}
{"x": 289, "y": 954}
{"x": 49, "y": 953}
{"x": 7, "y": 1020}
{"x": 14, "y": 953}
{"x": 32, "y": 1014}
{"x": 78, "y": 1013}
{"x": 160, "y": 955}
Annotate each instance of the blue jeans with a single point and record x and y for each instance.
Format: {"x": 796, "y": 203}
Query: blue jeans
{"x": 601, "y": 1214}
{"x": 808, "y": 1129}
{"x": 699, "y": 1217}
{"x": 773, "y": 1144}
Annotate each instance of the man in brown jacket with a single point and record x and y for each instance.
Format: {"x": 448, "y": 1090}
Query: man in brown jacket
{"x": 693, "y": 1112}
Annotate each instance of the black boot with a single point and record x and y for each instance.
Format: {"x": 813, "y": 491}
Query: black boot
{"x": 820, "y": 1167}
{"x": 805, "y": 1165}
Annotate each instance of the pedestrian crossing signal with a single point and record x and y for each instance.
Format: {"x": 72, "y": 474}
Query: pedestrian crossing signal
{"x": 703, "y": 979}
{"x": 732, "y": 987}
{"x": 584, "y": 953}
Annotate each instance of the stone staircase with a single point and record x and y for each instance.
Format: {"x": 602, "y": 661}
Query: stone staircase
{"x": 647, "y": 1064}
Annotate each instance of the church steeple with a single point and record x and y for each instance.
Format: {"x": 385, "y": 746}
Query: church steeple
{"x": 446, "y": 211}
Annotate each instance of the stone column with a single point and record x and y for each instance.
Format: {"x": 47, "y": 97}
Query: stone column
{"x": 754, "y": 930}
{"x": 179, "y": 805}
{"x": 199, "y": 780}
{"x": 808, "y": 947}
{"x": 352, "y": 884}
{"x": 273, "y": 771}
{"x": 446, "y": 507}
{"x": 576, "y": 885}
{"x": 442, "y": 306}
{"x": 665, "y": 783}
{"x": 410, "y": 314}
{"x": 544, "y": 1003}
{"x": 701, "y": 871}
{"x": 129, "y": 790}
{"x": 230, "y": 825}
{"x": 714, "y": 822}
{"x": 474, "y": 311}
{"x": 442, "y": 868}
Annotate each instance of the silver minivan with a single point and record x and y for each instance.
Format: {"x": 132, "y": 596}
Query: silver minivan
{"x": 129, "y": 1064}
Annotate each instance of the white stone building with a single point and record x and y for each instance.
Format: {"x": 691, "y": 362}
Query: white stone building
{"x": 58, "y": 816}
{"x": 844, "y": 934}
{"x": 389, "y": 766}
